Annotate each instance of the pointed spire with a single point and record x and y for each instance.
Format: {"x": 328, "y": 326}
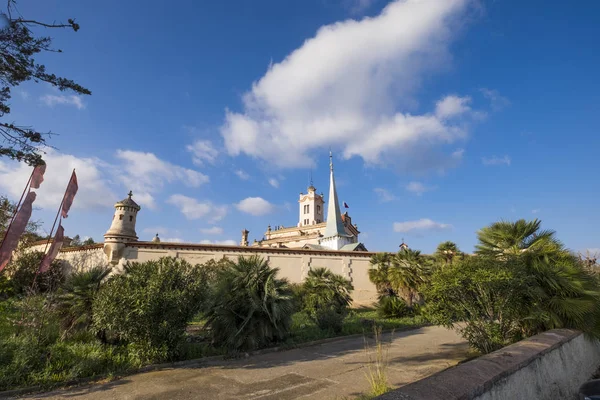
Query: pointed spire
{"x": 335, "y": 226}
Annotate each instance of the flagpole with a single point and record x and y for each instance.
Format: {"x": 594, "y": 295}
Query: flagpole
{"x": 12, "y": 219}
{"x": 37, "y": 272}
{"x": 58, "y": 213}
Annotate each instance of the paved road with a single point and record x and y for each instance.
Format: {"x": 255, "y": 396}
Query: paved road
{"x": 334, "y": 370}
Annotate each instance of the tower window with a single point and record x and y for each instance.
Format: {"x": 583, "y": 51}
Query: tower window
{"x": 307, "y": 208}
{"x": 121, "y": 216}
{"x": 318, "y": 208}
{"x": 130, "y": 218}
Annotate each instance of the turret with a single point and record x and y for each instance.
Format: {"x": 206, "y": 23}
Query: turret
{"x": 244, "y": 241}
{"x": 122, "y": 229}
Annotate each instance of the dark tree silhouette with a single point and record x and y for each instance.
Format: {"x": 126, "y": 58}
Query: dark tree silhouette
{"x": 18, "y": 47}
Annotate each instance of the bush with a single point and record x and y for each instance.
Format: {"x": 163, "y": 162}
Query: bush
{"x": 22, "y": 271}
{"x": 149, "y": 307}
{"x": 391, "y": 306}
{"x": 487, "y": 297}
{"x": 250, "y": 307}
{"x": 326, "y": 298}
{"x": 75, "y": 298}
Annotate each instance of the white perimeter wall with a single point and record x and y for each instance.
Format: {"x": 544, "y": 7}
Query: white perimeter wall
{"x": 293, "y": 265}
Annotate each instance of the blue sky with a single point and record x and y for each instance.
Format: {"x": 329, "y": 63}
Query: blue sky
{"x": 443, "y": 116}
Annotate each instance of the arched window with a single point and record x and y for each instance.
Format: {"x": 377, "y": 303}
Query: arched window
{"x": 121, "y": 216}
{"x": 131, "y": 218}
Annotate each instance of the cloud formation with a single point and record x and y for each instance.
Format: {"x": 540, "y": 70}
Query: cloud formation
{"x": 146, "y": 174}
{"x": 73, "y": 100}
{"x": 193, "y": 209}
{"x": 95, "y": 190}
{"x": 384, "y": 195}
{"x": 418, "y": 188}
{"x": 203, "y": 152}
{"x": 274, "y": 182}
{"x": 346, "y": 87}
{"x": 421, "y": 225}
{"x": 229, "y": 242}
{"x": 243, "y": 175}
{"x": 256, "y": 206}
{"x": 497, "y": 102}
{"x": 495, "y": 160}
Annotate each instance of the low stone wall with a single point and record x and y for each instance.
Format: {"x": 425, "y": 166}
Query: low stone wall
{"x": 551, "y": 365}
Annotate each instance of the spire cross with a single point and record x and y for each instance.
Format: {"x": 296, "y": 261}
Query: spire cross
{"x": 130, "y": 194}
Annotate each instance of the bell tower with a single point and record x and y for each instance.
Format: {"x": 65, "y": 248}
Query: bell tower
{"x": 122, "y": 229}
{"x": 311, "y": 207}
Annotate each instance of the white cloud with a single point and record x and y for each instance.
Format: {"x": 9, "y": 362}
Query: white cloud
{"x": 358, "y": 6}
{"x": 274, "y": 182}
{"x": 256, "y": 206}
{"x": 203, "y": 151}
{"x": 51, "y": 100}
{"x": 215, "y": 230}
{"x": 348, "y": 85}
{"x": 24, "y": 94}
{"x": 535, "y": 211}
{"x": 229, "y": 242}
{"x": 384, "y": 195}
{"x": 424, "y": 224}
{"x": 494, "y": 160}
{"x": 193, "y": 209}
{"x": 451, "y": 106}
{"x": 146, "y": 174}
{"x": 497, "y": 102}
{"x": 418, "y": 188}
{"x": 172, "y": 240}
{"x": 242, "y": 174}
{"x": 94, "y": 192}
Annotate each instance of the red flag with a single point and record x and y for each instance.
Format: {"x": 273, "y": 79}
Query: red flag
{"x": 54, "y": 249}
{"x": 69, "y": 195}
{"x": 38, "y": 176}
{"x": 11, "y": 239}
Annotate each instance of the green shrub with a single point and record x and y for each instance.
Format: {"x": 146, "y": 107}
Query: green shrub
{"x": 6, "y": 288}
{"x": 250, "y": 307}
{"x": 75, "y": 298}
{"x": 22, "y": 271}
{"x": 298, "y": 294}
{"x": 482, "y": 298}
{"x": 149, "y": 306}
{"x": 326, "y": 298}
{"x": 392, "y": 307}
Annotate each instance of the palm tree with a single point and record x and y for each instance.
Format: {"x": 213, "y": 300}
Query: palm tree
{"x": 75, "y": 298}
{"x": 327, "y": 298}
{"x": 563, "y": 293}
{"x": 447, "y": 251}
{"x": 250, "y": 307}
{"x": 505, "y": 238}
{"x": 379, "y": 272}
{"x": 407, "y": 273}
{"x": 323, "y": 287}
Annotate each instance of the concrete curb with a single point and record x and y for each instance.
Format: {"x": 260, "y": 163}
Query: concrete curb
{"x": 7, "y": 394}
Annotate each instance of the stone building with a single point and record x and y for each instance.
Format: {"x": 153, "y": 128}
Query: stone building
{"x": 332, "y": 244}
{"x": 312, "y": 231}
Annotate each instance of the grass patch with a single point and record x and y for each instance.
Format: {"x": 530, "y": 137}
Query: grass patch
{"x": 358, "y": 321}
{"x": 49, "y": 362}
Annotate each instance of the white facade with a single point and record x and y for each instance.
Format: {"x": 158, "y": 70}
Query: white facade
{"x": 312, "y": 208}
